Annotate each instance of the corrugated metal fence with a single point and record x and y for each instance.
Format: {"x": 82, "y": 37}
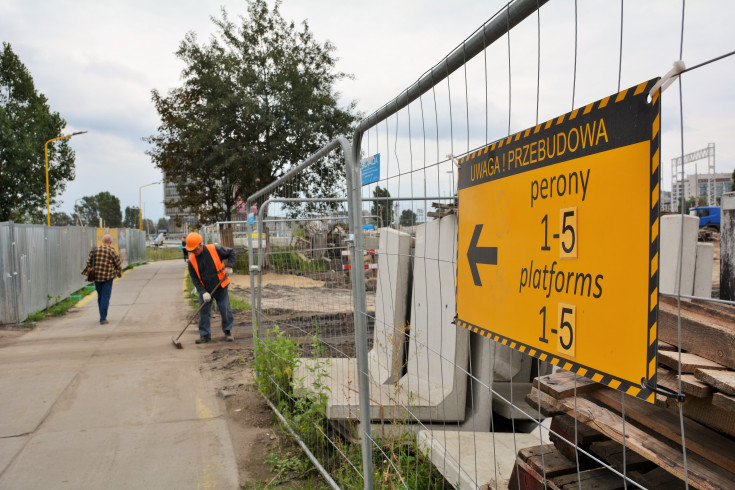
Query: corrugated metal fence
{"x": 41, "y": 265}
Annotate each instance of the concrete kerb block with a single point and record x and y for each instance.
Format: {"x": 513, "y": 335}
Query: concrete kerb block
{"x": 391, "y": 306}
{"x": 672, "y": 242}
{"x": 385, "y": 359}
{"x": 434, "y": 388}
{"x": 435, "y": 385}
{"x": 472, "y": 460}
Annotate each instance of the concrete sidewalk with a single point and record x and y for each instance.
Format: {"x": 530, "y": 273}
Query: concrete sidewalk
{"x": 96, "y": 406}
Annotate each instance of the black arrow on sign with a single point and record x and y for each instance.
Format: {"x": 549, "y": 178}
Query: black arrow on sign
{"x": 480, "y": 255}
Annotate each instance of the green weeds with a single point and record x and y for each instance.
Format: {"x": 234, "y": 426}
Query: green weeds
{"x": 286, "y": 260}
{"x": 397, "y": 460}
{"x": 163, "y": 253}
{"x": 60, "y": 307}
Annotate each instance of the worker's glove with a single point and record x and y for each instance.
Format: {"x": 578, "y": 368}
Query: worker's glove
{"x": 228, "y": 272}
{"x": 206, "y": 297}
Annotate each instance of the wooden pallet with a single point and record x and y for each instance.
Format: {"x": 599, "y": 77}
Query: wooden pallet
{"x": 652, "y": 434}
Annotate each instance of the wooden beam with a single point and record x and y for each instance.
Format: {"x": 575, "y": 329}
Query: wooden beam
{"x": 710, "y": 336}
{"x": 724, "y": 402}
{"x": 699, "y": 439}
{"x": 689, "y": 362}
{"x": 563, "y": 384}
{"x": 722, "y": 380}
{"x": 612, "y": 453}
{"x": 689, "y": 384}
{"x": 701, "y": 473}
{"x": 703, "y": 410}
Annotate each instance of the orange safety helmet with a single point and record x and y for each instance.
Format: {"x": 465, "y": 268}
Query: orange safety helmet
{"x": 193, "y": 240}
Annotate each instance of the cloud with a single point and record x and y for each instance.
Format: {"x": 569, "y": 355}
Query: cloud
{"x": 98, "y": 61}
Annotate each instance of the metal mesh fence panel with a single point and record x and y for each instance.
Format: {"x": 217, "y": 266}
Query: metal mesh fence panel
{"x": 455, "y": 404}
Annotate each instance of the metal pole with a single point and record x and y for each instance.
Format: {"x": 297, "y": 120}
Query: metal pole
{"x": 251, "y": 271}
{"x": 354, "y": 207}
{"x": 14, "y": 272}
{"x": 45, "y": 151}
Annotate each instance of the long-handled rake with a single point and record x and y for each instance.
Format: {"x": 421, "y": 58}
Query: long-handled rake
{"x": 176, "y": 340}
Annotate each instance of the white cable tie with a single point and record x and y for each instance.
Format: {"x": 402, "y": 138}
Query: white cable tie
{"x": 669, "y": 78}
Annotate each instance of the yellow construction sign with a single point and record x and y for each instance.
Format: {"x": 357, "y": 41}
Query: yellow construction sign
{"x": 558, "y": 241}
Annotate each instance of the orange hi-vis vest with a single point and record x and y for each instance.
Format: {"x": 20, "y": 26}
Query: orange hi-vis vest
{"x": 218, "y": 265}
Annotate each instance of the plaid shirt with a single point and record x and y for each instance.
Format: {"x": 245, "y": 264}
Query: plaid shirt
{"x": 105, "y": 261}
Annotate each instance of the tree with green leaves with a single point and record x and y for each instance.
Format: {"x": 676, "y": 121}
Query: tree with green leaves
{"x": 62, "y": 219}
{"x": 162, "y": 224}
{"x": 132, "y": 217}
{"x": 149, "y": 227}
{"x": 383, "y": 208}
{"x": 103, "y": 205}
{"x": 408, "y": 218}
{"x": 26, "y": 123}
{"x": 256, "y": 100}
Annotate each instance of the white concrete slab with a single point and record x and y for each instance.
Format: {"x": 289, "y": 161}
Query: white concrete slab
{"x": 480, "y": 404}
{"x": 52, "y": 352}
{"x": 474, "y": 459}
{"x": 385, "y": 359}
{"x": 435, "y": 386}
{"x": 391, "y": 306}
{"x": 703, "y": 270}
{"x": 186, "y": 454}
{"x": 672, "y": 242}
{"x": 511, "y": 364}
{"x": 509, "y": 400}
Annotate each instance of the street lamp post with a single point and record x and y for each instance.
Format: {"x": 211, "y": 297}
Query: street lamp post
{"x": 45, "y": 150}
{"x": 140, "y": 204}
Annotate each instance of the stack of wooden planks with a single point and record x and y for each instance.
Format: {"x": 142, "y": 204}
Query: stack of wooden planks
{"x": 589, "y": 429}
{"x": 442, "y": 210}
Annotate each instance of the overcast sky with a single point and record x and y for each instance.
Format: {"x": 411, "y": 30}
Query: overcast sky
{"x": 97, "y": 62}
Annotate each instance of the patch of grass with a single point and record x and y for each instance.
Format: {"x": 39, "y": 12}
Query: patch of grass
{"x": 191, "y": 293}
{"x": 287, "y": 260}
{"x": 163, "y": 253}
{"x": 59, "y": 308}
{"x": 237, "y": 303}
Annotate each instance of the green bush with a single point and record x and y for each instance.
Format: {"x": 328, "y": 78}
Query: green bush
{"x": 275, "y": 360}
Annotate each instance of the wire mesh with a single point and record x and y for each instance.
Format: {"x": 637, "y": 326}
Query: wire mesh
{"x": 446, "y": 406}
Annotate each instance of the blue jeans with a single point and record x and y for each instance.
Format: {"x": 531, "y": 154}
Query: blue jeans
{"x": 104, "y": 291}
{"x": 223, "y": 303}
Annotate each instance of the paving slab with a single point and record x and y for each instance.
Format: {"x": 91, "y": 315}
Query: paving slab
{"x": 9, "y": 448}
{"x": 40, "y": 389}
{"x": 475, "y": 459}
{"x": 154, "y": 392}
{"x": 116, "y": 405}
{"x": 187, "y": 454}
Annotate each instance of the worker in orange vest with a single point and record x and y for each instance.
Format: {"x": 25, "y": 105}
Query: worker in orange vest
{"x": 211, "y": 277}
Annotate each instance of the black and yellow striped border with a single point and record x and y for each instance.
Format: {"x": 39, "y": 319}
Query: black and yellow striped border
{"x": 637, "y": 388}
{"x": 563, "y": 363}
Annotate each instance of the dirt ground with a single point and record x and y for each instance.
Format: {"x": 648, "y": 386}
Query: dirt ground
{"x": 289, "y": 302}
{"x": 227, "y": 367}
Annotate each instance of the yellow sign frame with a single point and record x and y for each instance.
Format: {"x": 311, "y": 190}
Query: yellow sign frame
{"x": 558, "y": 241}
